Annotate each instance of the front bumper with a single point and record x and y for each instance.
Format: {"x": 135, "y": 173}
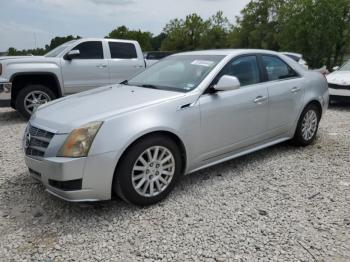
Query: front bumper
{"x": 339, "y": 90}
{"x": 94, "y": 174}
{"x": 5, "y": 90}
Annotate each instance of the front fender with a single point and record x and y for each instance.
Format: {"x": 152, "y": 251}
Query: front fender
{"x": 14, "y": 68}
{"x": 117, "y": 134}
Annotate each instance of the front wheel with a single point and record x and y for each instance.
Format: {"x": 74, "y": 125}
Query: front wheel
{"x": 307, "y": 126}
{"x": 31, "y": 97}
{"x": 148, "y": 171}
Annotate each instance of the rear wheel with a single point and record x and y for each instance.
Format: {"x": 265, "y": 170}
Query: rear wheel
{"x": 307, "y": 127}
{"x": 148, "y": 171}
{"x": 31, "y": 97}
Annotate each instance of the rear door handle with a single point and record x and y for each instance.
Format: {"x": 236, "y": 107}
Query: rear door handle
{"x": 295, "y": 89}
{"x": 260, "y": 99}
{"x": 139, "y": 66}
{"x": 101, "y": 66}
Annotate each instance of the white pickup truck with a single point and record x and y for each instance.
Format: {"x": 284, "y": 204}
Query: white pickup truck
{"x": 73, "y": 67}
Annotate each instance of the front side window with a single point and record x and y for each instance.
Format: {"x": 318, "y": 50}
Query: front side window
{"x": 277, "y": 69}
{"x": 245, "y": 68}
{"x": 90, "y": 50}
{"x": 181, "y": 73}
{"x": 122, "y": 50}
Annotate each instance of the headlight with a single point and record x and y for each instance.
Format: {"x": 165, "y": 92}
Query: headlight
{"x": 79, "y": 141}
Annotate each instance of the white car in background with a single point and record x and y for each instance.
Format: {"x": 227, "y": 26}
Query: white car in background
{"x": 339, "y": 82}
{"x": 298, "y": 58}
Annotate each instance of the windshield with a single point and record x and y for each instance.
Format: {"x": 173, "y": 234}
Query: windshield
{"x": 181, "y": 73}
{"x": 55, "y": 52}
{"x": 345, "y": 67}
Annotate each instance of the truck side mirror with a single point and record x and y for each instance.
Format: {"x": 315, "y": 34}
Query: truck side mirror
{"x": 71, "y": 54}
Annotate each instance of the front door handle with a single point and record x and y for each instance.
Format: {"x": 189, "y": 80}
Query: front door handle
{"x": 101, "y": 66}
{"x": 260, "y": 99}
{"x": 139, "y": 66}
{"x": 295, "y": 89}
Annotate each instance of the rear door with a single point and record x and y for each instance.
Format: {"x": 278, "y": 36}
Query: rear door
{"x": 124, "y": 61}
{"x": 285, "y": 93}
{"x": 86, "y": 71}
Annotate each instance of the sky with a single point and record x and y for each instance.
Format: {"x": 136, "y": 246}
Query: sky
{"x": 26, "y": 24}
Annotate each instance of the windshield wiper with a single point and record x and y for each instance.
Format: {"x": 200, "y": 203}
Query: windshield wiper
{"x": 125, "y": 82}
{"x": 149, "y": 86}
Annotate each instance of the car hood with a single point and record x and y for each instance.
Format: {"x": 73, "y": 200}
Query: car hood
{"x": 65, "y": 114}
{"x": 19, "y": 57}
{"x": 10, "y": 60}
{"x": 339, "y": 78}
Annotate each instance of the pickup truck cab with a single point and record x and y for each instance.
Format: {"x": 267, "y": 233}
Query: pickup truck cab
{"x": 73, "y": 67}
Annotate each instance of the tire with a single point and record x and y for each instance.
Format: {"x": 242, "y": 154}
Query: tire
{"x": 127, "y": 179}
{"x": 302, "y": 138}
{"x": 22, "y": 101}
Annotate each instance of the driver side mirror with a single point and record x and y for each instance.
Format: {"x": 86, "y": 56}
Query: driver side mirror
{"x": 335, "y": 68}
{"x": 71, "y": 54}
{"x": 227, "y": 83}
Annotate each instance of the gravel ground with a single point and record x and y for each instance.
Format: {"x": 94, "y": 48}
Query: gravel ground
{"x": 278, "y": 204}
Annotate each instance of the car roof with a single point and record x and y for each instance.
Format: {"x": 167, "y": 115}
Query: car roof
{"x": 106, "y": 39}
{"x": 227, "y": 52}
{"x": 290, "y": 53}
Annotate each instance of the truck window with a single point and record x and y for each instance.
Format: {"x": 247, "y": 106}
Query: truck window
{"x": 90, "y": 50}
{"x": 122, "y": 50}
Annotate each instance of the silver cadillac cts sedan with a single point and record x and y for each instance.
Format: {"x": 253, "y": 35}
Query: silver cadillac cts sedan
{"x": 187, "y": 112}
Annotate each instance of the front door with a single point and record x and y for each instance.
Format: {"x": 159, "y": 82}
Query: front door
{"x": 86, "y": 71}
{"x": 234, "y": 119}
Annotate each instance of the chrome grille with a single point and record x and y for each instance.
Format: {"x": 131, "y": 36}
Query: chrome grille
{"x": 37, "y": 141}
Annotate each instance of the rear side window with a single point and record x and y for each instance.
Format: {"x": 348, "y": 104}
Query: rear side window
{"x": 122, "y": 50}
{"x": 245, "y": 68}
{"x": 277, "y": 69}
{"x": 90, "y": 50}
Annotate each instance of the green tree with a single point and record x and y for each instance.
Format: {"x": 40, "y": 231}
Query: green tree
{"x": 257, "y": 27}
{"x": 42, "y": 51}
{"x": 157, "y": 41}
{"x": 144, "y": 38}
{"x": 185, "y": 34}
{"x": 14, "y": 52}
{"x": 59, "y": 40}
{"x": 216, "y": 32}
{"x": 317, "y": 29}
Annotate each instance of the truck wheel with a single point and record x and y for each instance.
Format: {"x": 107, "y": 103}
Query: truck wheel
{"x": 31, "y": 97}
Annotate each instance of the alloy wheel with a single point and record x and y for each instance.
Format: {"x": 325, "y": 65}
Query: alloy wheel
{"x": 309, "y": 125}
{"x": 153, "y": 171}
{"x": 35, "y": 99}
